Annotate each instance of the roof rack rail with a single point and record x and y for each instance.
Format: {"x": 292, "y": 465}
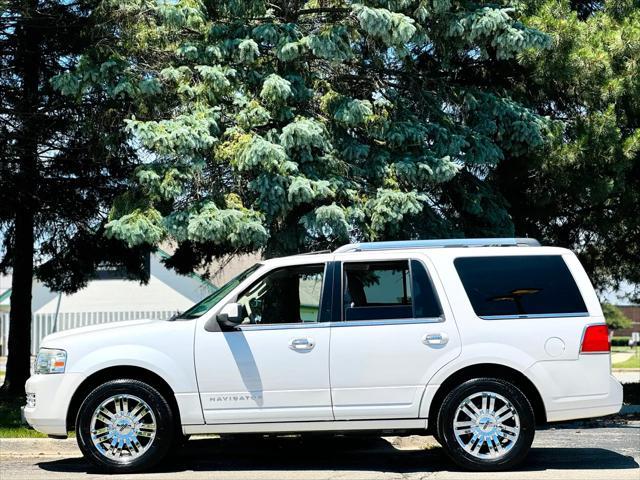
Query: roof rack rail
{"x": 442, "y": 243}
{"x": 315, "y": 252}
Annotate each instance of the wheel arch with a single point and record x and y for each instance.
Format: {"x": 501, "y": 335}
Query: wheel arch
{"x": 493, "y": 370}
{"x": 121, "y": 371}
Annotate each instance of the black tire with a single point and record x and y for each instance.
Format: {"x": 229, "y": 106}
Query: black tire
{"x": 165, "y": 435}
{"x": 447, "y": 437}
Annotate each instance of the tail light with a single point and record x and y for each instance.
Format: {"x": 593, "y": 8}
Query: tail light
{"x": 595, "y": 339}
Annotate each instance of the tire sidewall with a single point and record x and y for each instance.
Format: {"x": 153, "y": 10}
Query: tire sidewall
{"x": 511, "y": 393}
{"x": 165, "y": 425}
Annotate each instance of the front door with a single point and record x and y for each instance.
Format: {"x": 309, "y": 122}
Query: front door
{"x": 274, "y": 367}
{"x": 393, "y": 334}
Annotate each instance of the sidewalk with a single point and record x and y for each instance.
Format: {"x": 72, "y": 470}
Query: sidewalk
{"x": 619, "y": 357}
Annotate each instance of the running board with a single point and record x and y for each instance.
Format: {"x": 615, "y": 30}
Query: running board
{"x": 291, "y": 427}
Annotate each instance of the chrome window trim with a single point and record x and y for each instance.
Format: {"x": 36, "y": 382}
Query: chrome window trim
{"x": 281, "y": 326}
{"x": 533, "y": 315}
{"x": 353, "y": 323}
{"x": 389, "y": 321}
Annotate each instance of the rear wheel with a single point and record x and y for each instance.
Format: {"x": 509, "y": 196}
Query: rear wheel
{"x": 125, "y": 426}
{"x": 486, "y": 424}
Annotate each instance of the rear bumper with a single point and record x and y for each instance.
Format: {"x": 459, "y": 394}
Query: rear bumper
{"x": 591, "y": 406}
{"x": 572, "y": 390}
{"x": 53, "y": 393}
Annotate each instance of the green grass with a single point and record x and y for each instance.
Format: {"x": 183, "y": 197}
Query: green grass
{"x": 20, "y": 432}
{"x": 633, "y": 362}
{"x": 10, "y": 424}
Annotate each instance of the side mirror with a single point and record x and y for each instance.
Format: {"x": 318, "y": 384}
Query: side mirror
{"x": 230, "y": 315}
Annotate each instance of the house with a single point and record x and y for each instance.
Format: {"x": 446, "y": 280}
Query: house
{"x": 111, "y": 297}
{"x": 165, "y": 291}
{"x": 632, "y": 312}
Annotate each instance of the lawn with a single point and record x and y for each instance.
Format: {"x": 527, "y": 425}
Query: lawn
{"x": 633, "y": 362}
{"x": 10, "y": 424}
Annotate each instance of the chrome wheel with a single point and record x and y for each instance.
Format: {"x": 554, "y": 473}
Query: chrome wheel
{"x": 123, "y": 427}
{"x": 486, "y": 425}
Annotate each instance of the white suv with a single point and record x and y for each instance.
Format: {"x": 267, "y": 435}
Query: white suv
{"x": 475, "y": 341}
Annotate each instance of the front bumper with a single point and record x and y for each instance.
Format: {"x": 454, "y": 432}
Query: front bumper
{"x": 53, "y": 394}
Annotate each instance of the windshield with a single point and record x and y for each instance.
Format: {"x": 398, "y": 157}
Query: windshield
{"x": 205, "y": 305}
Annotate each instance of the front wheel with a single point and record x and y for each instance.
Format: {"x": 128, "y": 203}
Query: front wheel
{"x": 486, "y": 424}
{"x": 125, "y": 426}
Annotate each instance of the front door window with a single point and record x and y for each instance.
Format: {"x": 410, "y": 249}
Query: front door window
{"x": 285, "y": 295}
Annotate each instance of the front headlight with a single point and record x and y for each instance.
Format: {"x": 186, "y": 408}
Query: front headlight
{"x": 50, "y": 360}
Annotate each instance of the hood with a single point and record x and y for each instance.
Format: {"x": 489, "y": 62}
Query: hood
{"x": 53, "y": 340}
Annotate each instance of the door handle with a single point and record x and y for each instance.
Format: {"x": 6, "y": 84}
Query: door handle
{"x": 435, "y": 339}
{"x": 301, "y": 344}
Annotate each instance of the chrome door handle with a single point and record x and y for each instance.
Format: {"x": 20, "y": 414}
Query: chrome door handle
{"x": 435, "y": 339}
{"x": 301, "y": 344}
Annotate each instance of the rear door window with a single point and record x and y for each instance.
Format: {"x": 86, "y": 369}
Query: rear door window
{"x": 520, "y": 286}
{"x": 388, "y": 290}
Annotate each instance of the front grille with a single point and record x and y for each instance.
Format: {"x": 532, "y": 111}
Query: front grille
{"x": 31, "y": 400}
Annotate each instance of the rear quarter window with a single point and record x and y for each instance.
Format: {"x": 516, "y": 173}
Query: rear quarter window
{"x": 520, "y": 286}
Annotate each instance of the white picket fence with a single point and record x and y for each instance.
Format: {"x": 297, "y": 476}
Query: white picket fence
{"x": 42, "y": 324}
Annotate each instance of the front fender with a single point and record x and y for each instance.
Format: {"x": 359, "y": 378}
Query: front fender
{"x": 161, "y": 347}
{"x": 178, "y": 375}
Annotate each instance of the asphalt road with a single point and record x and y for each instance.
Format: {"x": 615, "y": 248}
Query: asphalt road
{"x": 582, "y": 452}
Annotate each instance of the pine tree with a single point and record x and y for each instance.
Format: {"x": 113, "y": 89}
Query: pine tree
{"x": 290, "y": 125}
{"x": 59, "y": 171}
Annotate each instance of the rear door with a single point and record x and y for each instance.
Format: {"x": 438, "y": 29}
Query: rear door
{"x": 394, "y": 330}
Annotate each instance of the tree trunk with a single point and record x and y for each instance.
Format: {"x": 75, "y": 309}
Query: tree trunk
{"x": 19, "y": 359}
{"x": 28, "y": 60}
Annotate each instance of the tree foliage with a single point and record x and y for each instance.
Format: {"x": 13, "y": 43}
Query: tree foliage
{"x": 614, "y": 317}
{"x": 62, "y": 164}
{"x": 582, "y": 190}
{"x": 291, "y": 125}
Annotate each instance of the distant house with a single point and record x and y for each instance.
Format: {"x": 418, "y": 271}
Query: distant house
{"x": 108, "y": 298}
{"x": 112, "y": 298}
{"x": 165, "y": 291}
{"x": 632, "y": 312}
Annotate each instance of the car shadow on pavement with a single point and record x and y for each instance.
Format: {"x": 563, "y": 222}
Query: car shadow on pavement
{"x": 344, "y": 453}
